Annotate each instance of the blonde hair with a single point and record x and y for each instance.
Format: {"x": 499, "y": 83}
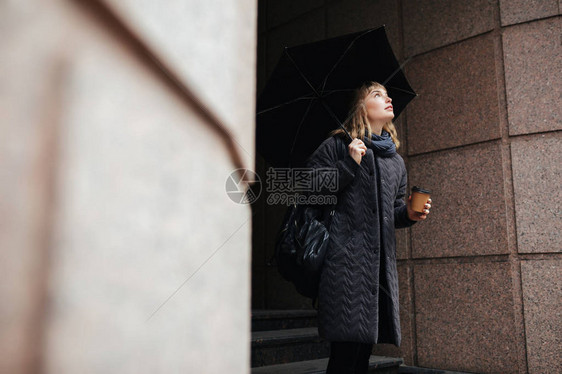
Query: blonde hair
{"x": 358, "y": 123}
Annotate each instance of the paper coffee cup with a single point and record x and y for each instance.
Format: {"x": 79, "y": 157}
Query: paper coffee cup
{"x": 419, "y": 198}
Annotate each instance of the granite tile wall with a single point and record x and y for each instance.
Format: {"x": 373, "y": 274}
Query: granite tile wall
{"x": 465, "y": 317}
{"x": 542, "y": 300}
{"x": 537, "y": 175}
{"x": 468, "y": 213}
{"x": 344, "y": 17}
{"x": 308, "y": 28}
{"x": 533, "y": 57}
{"x": 516, "y": 11}
{"x": 430, "y": 24}
{"x": 458, "y": 96}
{"x": 281, "y": 11}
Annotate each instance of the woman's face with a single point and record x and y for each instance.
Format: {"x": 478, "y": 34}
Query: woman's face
{"x": 379, "y": 106}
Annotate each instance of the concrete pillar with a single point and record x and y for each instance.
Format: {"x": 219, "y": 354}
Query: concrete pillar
{"x": 121, "y": 122}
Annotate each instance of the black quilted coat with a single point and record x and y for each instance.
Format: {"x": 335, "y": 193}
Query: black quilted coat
{"x": 361, "y": 252}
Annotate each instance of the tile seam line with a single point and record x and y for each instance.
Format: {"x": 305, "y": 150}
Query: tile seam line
{"x": 515, "y": 273}
{"x": 529, "y": 21}
{"x": 455, "y": 147}
{"x": 409, "y": 263}
{"x": 498, "y": 139}
{"x": 540, "y": 256}
{"x": 449, "y": 44}
{"x": 292, "y": 19}
{"x": 527, "y": 136}
{"x": 470, "y": 37}
{"x": 109, "y": 18}
{"x": 502, "y": 257}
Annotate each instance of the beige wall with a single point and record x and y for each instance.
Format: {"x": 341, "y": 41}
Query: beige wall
{"x": 480, "y": 279}
{"x": 121, "y": 121}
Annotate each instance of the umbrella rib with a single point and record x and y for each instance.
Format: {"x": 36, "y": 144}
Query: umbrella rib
{"x": 349, "y": 117}
{"x": 336, "y": 118}
{"x": 341, "y": 58}
{"x": 345, "y": 52}
{"x": 319, "y": 98}
{"x": 400, "y": 89}
{"x": 384, "y": 83}
{"x": 285, "y": 103}
{"x": 299, "y": 129}
{"x": 396, "y": 71}
{"x": 301, "y": 73}
{"x": 327, "y": 93}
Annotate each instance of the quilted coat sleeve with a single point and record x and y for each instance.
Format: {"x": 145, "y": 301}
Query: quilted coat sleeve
{"x": 327, "y": 163}
{"x": 401, "y": 219}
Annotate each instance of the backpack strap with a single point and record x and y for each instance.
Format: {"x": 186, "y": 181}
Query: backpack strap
{"x": 342, "y": 147}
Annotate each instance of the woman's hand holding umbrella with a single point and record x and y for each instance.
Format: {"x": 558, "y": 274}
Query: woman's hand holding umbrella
{"x": 357, "y": 149}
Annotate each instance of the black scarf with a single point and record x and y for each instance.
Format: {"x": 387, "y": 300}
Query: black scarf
{"x": 381, "y": 145}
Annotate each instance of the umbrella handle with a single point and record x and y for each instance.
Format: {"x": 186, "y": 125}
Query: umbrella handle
{"x": 346, "y": 132}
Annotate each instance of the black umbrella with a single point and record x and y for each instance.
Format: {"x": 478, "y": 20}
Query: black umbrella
{"x": 311, "y": 88}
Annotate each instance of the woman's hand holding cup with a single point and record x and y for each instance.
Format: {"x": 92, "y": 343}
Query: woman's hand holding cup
{"x": 357, "y": 149}
{"x": 418, "y": 208}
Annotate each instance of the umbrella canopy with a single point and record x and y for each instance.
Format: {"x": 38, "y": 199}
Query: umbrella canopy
{"x": 311, "y": 89}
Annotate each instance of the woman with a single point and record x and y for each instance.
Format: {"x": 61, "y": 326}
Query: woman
{"x": 358, "y": 302}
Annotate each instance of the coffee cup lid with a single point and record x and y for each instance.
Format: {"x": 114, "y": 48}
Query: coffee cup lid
{"x": 421, "y": 190}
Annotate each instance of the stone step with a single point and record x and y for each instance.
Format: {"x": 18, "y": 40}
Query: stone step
{"x": 265, "y": 320}
{"x": 419, "y": 370}
{"x": 377, "y": 364}
{"x": 290, "y": 345}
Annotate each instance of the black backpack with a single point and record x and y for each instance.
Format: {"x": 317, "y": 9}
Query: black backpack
{"x": 289, "y": 246}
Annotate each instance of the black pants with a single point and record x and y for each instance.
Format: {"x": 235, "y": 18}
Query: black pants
{"x": 349, "y": 358}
